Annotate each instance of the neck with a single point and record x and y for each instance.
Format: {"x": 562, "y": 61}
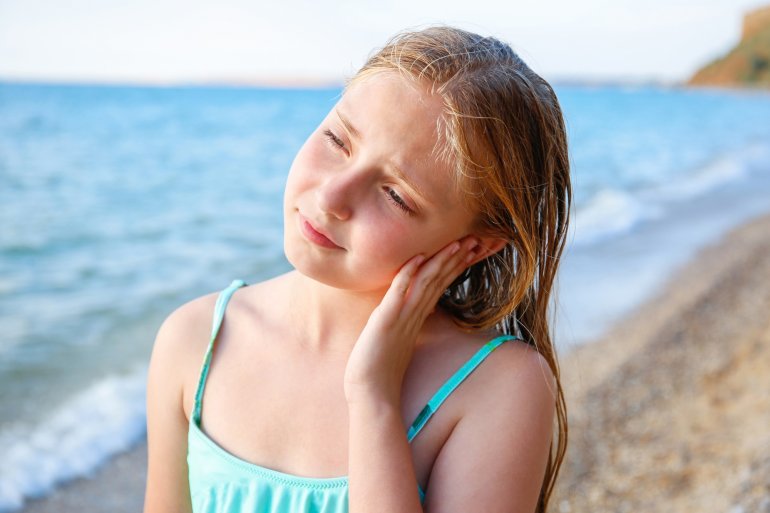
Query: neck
{"x": 327, "y": 319}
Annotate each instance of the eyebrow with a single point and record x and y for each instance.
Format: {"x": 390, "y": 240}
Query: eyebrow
{"x": 348, "y": 125}
{"x": 397, "y": 171}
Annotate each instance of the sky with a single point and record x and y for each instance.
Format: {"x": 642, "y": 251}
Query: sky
{"x": 305, "y": 41}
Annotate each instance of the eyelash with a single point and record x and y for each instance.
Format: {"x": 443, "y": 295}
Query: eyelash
{"x": 392, "y": 196}
{"x": 336, "y": 141}
{"x": 396, "y": 199}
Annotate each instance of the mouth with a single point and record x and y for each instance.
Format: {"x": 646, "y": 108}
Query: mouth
{"x": 315, "y": 235}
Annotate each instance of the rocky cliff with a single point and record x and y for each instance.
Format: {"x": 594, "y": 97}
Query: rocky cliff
{"x": 748, "y": 63}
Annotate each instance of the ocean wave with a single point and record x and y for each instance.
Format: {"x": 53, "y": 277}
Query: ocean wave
{"x": 720, "y": 170}
{"x": 105, "y": 419}
{"x": 608, "y": 213}
{"x": 613, "y": 211}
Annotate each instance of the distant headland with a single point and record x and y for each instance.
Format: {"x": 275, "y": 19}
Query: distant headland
{"x": 748, "y": 63}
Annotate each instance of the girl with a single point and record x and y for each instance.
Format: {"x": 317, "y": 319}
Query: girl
{"x": 425, "y": 219}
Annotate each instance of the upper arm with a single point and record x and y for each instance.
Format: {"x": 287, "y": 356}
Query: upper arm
{"x": 176, "y": 357}
{"x": 496, "y": 456}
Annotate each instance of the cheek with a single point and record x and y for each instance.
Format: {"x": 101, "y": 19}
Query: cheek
{"x": 308, "y": 165}
{"x": 388, "y": 245}
{"x": 427, "y": 241}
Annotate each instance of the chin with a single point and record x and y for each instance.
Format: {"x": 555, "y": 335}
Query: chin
{"x": 334, "y": 274}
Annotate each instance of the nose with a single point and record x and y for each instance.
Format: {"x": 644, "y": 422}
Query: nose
{"x": 337, "y": 194}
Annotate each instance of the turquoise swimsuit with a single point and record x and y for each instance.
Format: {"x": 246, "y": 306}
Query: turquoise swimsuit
{"x": 223, "y": 483}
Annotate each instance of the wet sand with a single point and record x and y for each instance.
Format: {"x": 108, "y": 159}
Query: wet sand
{"x": 669, "y": 410}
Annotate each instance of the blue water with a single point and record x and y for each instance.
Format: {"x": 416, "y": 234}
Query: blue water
{"x": 118, "y": 204}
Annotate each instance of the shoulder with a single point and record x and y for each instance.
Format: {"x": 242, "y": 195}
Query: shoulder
{"x": 174, "y": 365}
{"x": 183, "y": 338}
{"x": 515, "y": 390}
{"x": 516, "y": 364}
{"x": 513, "y": 381}
{"x": 518, "y": 397}
{"x": 512, "y": 365}
{"x": 500, "y": 444}
{"x": 179, "y": 347}
{"x": 187, "y": 329}
{"x": 513, "y": 384}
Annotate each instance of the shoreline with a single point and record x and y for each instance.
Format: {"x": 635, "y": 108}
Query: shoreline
{"x": 675, "y": 407}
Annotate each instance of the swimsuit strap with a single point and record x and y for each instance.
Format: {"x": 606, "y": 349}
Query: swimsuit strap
{"x": 453, "y": 382}
{"x": 219, "y": 314}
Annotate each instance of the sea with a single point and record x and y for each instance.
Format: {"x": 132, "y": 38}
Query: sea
{"x": 120, "y": 203}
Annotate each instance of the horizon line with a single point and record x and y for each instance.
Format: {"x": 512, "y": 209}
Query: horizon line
{"x": 297, "y": 82}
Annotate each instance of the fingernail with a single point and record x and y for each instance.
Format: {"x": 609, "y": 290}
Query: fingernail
{"x": 455, "y": 248}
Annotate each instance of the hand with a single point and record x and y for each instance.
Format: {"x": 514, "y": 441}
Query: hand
{"x": 382, "y": 353}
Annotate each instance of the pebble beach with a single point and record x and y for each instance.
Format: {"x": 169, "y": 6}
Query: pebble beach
{"x": 669, "y": 411}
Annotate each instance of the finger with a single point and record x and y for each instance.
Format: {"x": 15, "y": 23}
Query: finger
{"x": 438, "y": 273}
{"x": 471, "y": 248}
{"x": 449, "y": 274}
{"x": 399, "y": 287}
{"x": 442, "y": 268}
{"x": 431, "y": 269}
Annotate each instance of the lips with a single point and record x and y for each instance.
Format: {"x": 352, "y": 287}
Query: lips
{"x": 315, "y": 234}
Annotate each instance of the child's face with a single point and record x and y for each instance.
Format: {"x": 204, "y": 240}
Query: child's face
{"x": 378, "y": 196}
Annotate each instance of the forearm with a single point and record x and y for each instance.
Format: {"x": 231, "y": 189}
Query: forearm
{"x": 381, "y": 474}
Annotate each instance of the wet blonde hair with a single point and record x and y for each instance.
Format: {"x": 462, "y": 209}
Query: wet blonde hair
{"x": 503, "y": 133}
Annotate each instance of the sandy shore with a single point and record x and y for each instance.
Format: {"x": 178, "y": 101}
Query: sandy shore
{"x": 669, "y": 411}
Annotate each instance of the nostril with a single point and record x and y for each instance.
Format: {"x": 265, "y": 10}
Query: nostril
{"x": 333, "y": 201}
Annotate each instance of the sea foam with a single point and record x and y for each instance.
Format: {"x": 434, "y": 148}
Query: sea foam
{"x": 103, "y": 420}
{"x": 610, "y": 212}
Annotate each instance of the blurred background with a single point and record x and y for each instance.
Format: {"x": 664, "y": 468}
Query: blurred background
{"x": 144, "y": 148}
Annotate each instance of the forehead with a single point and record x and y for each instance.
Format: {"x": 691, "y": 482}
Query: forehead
{"x": 400, "y": 121}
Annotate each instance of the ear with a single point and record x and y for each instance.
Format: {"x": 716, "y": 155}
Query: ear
{"x": 488, "y": 246}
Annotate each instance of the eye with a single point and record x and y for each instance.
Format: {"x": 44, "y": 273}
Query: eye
{"x": 396, "y": 200}
{"x": 333, "y": 140}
